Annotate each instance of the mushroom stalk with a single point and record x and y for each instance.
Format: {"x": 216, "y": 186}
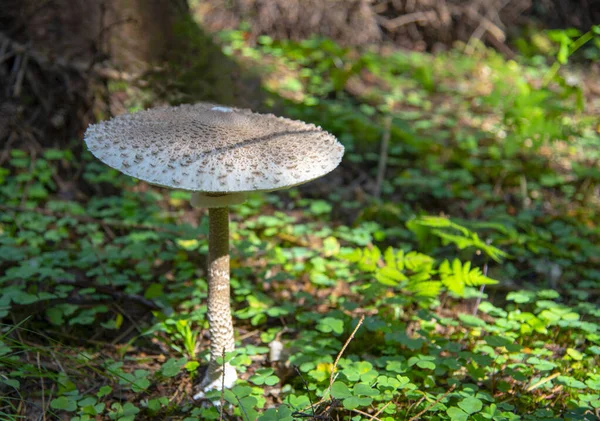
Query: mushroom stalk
{"x": 219, "y": 310}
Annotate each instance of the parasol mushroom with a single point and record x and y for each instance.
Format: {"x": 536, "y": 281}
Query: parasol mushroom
{"x": 220, "y": 154}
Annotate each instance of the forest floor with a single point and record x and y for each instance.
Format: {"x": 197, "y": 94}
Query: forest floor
{"x": 463, "y": 285}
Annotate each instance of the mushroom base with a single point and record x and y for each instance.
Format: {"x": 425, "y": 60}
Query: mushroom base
{"x": 223, "y": 378}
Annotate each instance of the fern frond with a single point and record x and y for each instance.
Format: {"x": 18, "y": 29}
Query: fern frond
{"x": 426, "y": 289}
{"x": 458, "y": 276}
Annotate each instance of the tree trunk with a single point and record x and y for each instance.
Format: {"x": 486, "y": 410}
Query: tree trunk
{"x": 144, "y": 30}
{"x": 132, "y": 33}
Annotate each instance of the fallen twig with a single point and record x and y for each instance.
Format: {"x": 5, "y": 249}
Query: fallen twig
{"x": 20, "y": 76}
{"x": 432, "y": 404}
{"x": 374, "y": 416}
{"x": 337, "y": 360}
{"x": 42, "y": 386}
{"x": 42, "y": 59}
{"x": 339, "y": 356}
{"x": 383, "y": 155}
{"x": 358, "y": 411}
{"x": 393, "y": 24}
{"x": 543, "y": 381}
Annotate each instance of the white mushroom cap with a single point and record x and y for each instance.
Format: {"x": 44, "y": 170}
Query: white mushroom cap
{"x": 214, "y": 149}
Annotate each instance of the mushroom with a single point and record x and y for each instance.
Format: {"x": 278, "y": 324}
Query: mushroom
{"x": 220, "y": 154}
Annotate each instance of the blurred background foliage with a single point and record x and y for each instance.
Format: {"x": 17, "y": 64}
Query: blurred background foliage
{"x": 448, "y": 270}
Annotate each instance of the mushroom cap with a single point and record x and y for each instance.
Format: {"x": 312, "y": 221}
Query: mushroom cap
{"x": 211, "y": 148}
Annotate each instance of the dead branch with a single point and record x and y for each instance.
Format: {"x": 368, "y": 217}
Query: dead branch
{"x": 42, "y": 59}
{"x": 395, "y": 23}
{"x": 432, "y": 404}
{"x": 383, "y": 156}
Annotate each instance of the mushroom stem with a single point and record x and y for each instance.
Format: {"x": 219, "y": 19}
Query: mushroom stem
{"x": 219, "y": 311}
{"x": 216, "y": 200}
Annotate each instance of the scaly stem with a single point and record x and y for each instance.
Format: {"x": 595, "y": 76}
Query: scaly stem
{"x": 219, "y": 310}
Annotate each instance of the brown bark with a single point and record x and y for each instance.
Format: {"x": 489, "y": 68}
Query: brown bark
{"x": 144, "y": 30}
{"x": 131, "y": 33}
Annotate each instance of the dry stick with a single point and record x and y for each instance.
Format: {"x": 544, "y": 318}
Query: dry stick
{"x": 58, "y": 362}
{"x": 374, "y": 416}
{"x": 358, "y": 411}
{"x": 50, "y": 396}
{"x": 392, "y": 24}
{"x": 415, "y": 404}
{"x": 476, "y": 36}
{"x": 312, "y": 405}
{"x": 128, "y": 316}
{"x": 43, "y": 388}
{"x": 542, "y": 381}
{"x": 18, "y": 333}
{"x": 248, "y": 334}
{"x": 433, "y": 403}
{"x": 339, "y": 356}
{"x": 20, "y": 76}
{"x": 177, "y": 392}
{"x": 15, "y": 68}
{"x": 41, "y": 59}
{"x": 490, "y": 27}
{"x": 383, "y": 154}
{"x": 496, "y": 35}
{"x": 118, "y": 339}
{"x": 337, "y": 360}
{"x": 485, "y": 25}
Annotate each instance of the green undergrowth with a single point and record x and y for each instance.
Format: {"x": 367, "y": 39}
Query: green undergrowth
{"x": 478, "y": 137}
{"x": 468, "y": 291}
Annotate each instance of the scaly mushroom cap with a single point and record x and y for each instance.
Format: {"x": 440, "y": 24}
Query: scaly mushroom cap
{"x": 211, "y": 148}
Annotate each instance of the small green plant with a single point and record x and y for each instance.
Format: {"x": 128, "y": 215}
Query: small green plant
{"x": 180, "y": 334}
{"x": 569, "y": 41}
